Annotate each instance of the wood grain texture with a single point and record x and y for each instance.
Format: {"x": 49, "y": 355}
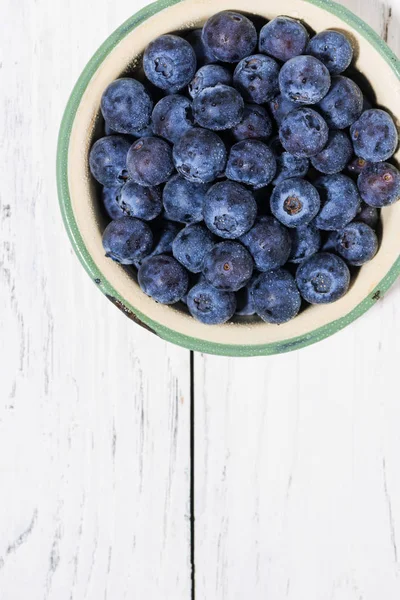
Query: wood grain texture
{"x": 94, "y": 411}
{"x": 297, "y": 480}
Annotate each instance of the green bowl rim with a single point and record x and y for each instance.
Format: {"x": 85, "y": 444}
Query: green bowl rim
{"x": 82, "y": 252}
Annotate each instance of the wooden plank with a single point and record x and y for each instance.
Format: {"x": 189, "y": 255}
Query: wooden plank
{"x": 297, "y": 492}
{"x": 94, "y": 412}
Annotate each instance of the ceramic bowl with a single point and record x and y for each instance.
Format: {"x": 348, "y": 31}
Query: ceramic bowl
{"x": 85, "y": 221}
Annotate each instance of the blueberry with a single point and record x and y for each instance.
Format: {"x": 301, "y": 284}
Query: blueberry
{"x": 379, "y": 184}
{"x": 276, "y": 297}
{"x": 283, "y": 38}
{"x": 149, "y": 161}
{"x": 368, "y": 214}
{"x": 374, "y": 136}
{"x": 209, "y": 76}
{"x": 204, "y": 55}
{"x": 191, "y": 245}
{"x": 255, "y": 124}
{"x": 268, "y": 242}
{"x": 172, "y": 117}
{"x": 333, "y": 49}
{"x": 211, "y": 306}
{"x": 340, "y": 201}
{"x": 287, "y": 165}
{"x": 164, "y": 234}
{"x": 303, "y": 132}
{"x": 108, "y": 130}
{"x": 295, "y": 202}
{"x": 356, "y": 165}
{"x": 323, "y": 278}
{"x": 142, "y": 202}
{"x": 251, "y": 162}
{"x": 107, "y": 160}
{"x": 127, "y": 239}
{"x": 110, "y": 197}
{"x": 343, "y": 103}
{"x": 169, "y": 62}
{"x": 164, "y": 279}
{"x": 126, "y": 106}
{"x": 229, "y": 209}
{"x": 219, "y": 107}
{"x": 228, "y": 266}
{"x": 306, "y": 241}
{"x": 304, "y": 80}
{"x": 229, "y": 36}
{"x": 244, "y": 300}
{"x": 144, "y": 132}
{"x": 184, "y": 200}
{"x": 256, "y": 77}
{"x": 280, "y": 107}
{"x": 357, "y": 243}
{"x": 336, "y": 154}
{"x": 200, "y": 155}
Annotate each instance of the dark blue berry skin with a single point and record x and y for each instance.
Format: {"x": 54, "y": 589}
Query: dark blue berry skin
{"x": 107, "y": 160}
{"x": 276, "y": 297}
{"x": 357, "y": 243}
{"x": 306, "y": 241}
{"x": 164, "y": 234}
{"x": 368, "y": 214}
{"x": 191, "y": 245}
{"x": 218, "y": 108}
{"x": 287, "y": 165}
{"x": 256, "y": 78}
{"x": 303, "y": 132}
{"x": 204, "y": 55}
{"x": 172, "y": 117}
{"x": 229, "y": 36}
{"x": 229, "y": 209}
{"x": 323, "y": 278}
{"x": 340, "y": 201}
{"x": 184, "y": 200}
{"x": 333, "y": 49}
{"x": 211, "y": 306}
{"x": 280, "y": 107}
{"x": 283, "y": 38}
{"x": 379, "y": 184}
{"x": 163, "y": 278}
{"x": 169, "y": 62}
{"x": 356, "y": 165}
{"x": 127, "y": 239}
{"x": 228, "y": 266}
{"x": 304, "y": 80}
{"x": 374, "y": 135}
{"x": 126, "y": 106}
{"x": 251, "y": 162}
{"x": 149, "y": 161}
{"x": 295, "y": 202}
{"x": 209, "y": 76}
{"x": 336, "y": 154}
{"x": 343, "y": 104}
{"x": 110, "y": 197}
{"x": 141, "y": 202}
{"x": 200, "y": 155}
{"x": 268, "y": 242}
{"x": 244, "y": 300}
{"x": 255, "y": 124}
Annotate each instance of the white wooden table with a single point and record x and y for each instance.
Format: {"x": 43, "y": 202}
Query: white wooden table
{"x": 130, "y": 468}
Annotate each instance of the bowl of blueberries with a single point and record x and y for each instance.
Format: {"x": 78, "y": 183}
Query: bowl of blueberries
{"x": 229, "y": 177}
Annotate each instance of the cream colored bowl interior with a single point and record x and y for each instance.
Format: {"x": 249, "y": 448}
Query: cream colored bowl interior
{"x": 85, "y": 201}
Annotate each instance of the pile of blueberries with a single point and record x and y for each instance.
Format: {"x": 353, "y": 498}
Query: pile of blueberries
{"x": 241, "y": 182}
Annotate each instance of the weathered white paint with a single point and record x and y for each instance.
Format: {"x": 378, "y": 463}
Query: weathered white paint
{"x": 297, "y": 457}
{"x": 94, "y": 411}
{"x": 297, "y": 489}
